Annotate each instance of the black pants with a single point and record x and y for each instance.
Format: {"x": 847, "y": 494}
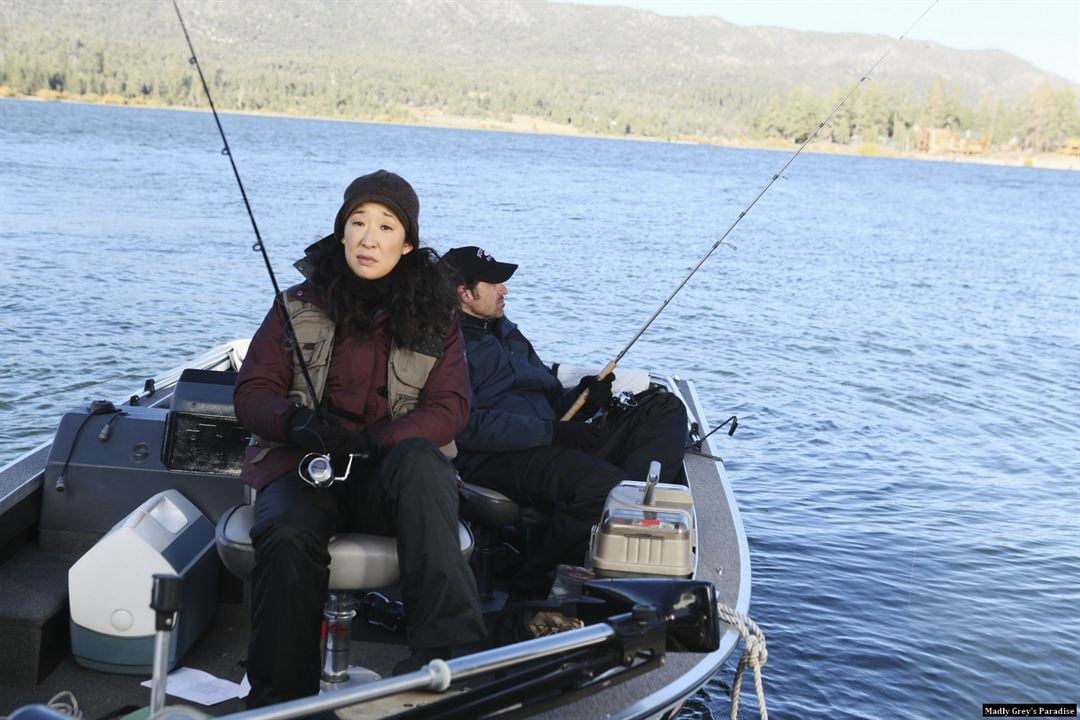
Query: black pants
{"x": 412, "y": 494}
{"x": 653, "y": 430}
{"x": 572, "y": 485}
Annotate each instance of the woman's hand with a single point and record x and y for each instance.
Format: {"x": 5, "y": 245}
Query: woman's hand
{"x": 306, "y": 429}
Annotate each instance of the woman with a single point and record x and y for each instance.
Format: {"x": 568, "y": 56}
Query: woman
{"x": 373, "y": 297}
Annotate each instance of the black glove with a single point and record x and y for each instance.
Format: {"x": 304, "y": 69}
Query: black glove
{"x": 599, "y": 392}
{"x": 576, "y": 435}
{"x": 305, "y": 429}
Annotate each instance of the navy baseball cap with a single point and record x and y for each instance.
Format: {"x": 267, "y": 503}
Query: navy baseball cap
{"x": 477, "y": 265}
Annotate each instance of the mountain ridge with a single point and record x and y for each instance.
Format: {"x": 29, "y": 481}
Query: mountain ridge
{"x": 598, "y": 69}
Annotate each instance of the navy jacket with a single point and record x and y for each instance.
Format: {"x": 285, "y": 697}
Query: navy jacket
{"x": 516, "y": 398}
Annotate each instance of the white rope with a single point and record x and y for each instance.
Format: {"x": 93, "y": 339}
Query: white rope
{"x": 68, "y": 706}
{"x": 754, "y": 654}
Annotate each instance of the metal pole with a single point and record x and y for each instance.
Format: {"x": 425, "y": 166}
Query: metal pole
{"x": 438, "y": 674}
{"x": 160, "y": 672}
{"x": 339, "y": 613}
{"x": 166, "y": 599}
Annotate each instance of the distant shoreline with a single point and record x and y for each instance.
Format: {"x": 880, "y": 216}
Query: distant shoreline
{"x": 536, "y": 126}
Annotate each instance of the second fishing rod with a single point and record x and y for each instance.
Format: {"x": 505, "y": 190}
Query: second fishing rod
{"x": 610, "y": 367}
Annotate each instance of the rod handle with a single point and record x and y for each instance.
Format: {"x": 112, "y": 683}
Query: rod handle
{"x": 608, "y": 369}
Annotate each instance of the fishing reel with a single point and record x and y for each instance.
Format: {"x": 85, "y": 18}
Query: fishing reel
{"x": 622, "y": 401}
{"x": 317, "y": 470}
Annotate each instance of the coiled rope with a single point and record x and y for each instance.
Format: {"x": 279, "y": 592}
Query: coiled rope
{"x": 754, "y": 654}
{"x": 65, "y": 702}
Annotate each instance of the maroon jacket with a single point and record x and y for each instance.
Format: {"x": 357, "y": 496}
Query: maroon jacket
{"x": 356, "y": 384}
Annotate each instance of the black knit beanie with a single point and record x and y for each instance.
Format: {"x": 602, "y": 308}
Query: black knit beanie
{"x": 391, "y": 190}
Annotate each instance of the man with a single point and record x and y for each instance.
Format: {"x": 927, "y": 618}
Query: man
{"x": 515, "y": 443}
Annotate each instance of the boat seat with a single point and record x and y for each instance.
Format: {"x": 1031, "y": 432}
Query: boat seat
{"x": 357, "y": 561}
{"x": 490, "y": 508}
{"x": 488, "y": 511}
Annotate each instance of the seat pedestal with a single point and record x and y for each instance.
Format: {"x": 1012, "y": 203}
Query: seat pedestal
{"x": 488, "y": 511}
{"x": 337, "y": 673}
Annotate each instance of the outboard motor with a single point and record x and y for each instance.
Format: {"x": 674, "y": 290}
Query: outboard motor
{"x": 687, "y": 606}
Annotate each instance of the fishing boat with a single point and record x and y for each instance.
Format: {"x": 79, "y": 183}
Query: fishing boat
{"x": 637, "y": 647}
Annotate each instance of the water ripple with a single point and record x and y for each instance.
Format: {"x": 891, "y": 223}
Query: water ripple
{"x": 907, "y": 463}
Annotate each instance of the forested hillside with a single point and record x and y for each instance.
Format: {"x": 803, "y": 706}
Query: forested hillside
{"x": 603, "y": 70}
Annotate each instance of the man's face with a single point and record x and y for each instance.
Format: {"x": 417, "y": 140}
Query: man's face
{"x": 485, "y": 301}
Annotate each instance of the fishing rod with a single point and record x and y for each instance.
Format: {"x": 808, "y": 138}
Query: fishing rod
{"x": 319, "y": 469}
{"x": 610, "y": 367}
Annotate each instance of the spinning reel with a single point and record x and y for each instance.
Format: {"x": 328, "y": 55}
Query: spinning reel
{"x": 317, "y": 470}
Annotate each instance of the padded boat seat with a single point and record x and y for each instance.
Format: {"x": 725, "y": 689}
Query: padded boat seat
{"x": 357, "y": 561}
{"x": 490, "y": 508}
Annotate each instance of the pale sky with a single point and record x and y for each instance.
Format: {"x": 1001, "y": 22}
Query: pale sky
{"x": 1046, "y": 33}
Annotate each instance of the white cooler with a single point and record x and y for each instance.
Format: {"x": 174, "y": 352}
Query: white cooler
{"x": 112, "y": 625}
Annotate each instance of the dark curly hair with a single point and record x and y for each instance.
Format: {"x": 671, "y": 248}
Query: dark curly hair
{"x": 419, "y": 294}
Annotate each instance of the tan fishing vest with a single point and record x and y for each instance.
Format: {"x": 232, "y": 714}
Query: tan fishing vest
{"x": 407, "y": 370}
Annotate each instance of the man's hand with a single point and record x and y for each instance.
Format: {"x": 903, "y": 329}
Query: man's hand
{"x": 599, "y": 392}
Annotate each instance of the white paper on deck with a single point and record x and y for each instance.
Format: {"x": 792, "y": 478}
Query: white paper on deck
{"x": 198, "y": 686}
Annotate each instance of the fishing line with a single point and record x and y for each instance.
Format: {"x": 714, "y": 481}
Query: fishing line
{"x": 279, "y": 297}
{"x": 776, "y": 176}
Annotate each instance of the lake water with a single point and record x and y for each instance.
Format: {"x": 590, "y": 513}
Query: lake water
{"x": 900, "y": 341}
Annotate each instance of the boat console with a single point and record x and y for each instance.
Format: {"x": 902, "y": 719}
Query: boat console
{"x": 106, "y": 460}
{"x": 202, "y": 433}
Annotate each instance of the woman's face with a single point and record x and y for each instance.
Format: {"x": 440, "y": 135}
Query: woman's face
{"x": 374, "y": 241}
